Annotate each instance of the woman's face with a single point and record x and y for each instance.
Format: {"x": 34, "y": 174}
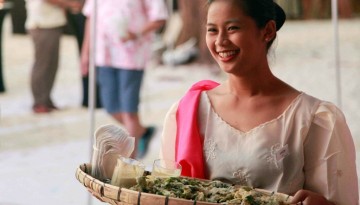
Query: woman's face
{"x": 233, "y": 38}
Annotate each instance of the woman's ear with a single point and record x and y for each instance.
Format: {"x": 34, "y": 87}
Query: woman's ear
{"x": 269, "y": 31}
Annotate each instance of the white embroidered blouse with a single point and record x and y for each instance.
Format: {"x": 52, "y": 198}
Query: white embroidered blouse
{"x": 309, "y": 146}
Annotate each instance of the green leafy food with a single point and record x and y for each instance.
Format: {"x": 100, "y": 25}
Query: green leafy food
{"x": 208, "y": 191}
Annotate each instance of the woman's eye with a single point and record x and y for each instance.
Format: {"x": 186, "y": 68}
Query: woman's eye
{"x": 231, "y": 28}
{"x": 211, "y": 30}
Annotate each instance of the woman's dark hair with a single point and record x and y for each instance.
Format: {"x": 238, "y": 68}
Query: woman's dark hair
{"x": 262, "y": 11}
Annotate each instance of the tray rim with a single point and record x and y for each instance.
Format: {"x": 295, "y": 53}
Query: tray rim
{"x": 117, "y": 196}
{"x": 102, "y": 190}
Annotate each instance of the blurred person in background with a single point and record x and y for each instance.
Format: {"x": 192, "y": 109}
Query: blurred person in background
{"x": 124, "y": 33}
{"x": 45, "y": 23}
{"x": 76, "y": 22}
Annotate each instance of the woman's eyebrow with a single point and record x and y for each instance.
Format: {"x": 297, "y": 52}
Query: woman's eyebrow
{"x": 232, "y": 21}
{"x": 226, "y": 22}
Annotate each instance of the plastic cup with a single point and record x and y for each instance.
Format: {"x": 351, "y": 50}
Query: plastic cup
{"x": 126, "y": 172}
{"x": 166, "y": 168}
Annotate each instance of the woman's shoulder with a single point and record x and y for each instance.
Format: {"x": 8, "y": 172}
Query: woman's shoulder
{"x": 321, "y": 108}
{"x": 310, "y": 99}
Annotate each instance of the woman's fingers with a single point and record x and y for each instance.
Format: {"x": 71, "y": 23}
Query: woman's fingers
{"x": 299, "y": 197}
{"x": 305, "y": 197}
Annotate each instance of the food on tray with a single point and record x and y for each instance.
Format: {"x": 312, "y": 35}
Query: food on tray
{"x": 208, "y": 191}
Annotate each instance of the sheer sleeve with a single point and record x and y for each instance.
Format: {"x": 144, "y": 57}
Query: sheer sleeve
{"x": 168, "y": 137}
{"x": 330, "y": 159}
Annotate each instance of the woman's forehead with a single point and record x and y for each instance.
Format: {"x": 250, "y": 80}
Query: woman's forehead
{"x": 223, "y": 9}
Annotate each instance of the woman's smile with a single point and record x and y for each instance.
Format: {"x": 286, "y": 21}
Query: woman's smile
{"x": 228, "y": 54}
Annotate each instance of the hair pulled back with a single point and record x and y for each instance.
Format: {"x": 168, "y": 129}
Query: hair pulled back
{"x": 261, "y": 11}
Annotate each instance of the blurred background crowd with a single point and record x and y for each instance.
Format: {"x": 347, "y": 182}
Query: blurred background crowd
{"x": 180, "y": 32}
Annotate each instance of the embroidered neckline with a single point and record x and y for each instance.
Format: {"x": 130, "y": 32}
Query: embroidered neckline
{"x": 241, "y": 132}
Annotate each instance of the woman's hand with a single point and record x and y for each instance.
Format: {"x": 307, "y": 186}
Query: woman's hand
{"x": 306, "y": 197}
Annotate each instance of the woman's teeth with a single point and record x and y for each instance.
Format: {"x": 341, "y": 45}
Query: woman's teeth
{"x": 227, "y": 54}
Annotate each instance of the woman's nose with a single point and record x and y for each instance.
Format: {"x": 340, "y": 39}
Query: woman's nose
{"x": 222, "y": 40}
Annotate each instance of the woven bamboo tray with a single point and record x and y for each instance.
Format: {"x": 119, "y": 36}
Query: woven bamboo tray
{"x": 121, "y": 196}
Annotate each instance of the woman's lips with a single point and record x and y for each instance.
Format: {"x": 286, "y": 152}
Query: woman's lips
{"x": 227, "y": 55}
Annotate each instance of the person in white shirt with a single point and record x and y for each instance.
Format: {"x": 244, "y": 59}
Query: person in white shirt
{"x": 45, "y": 23}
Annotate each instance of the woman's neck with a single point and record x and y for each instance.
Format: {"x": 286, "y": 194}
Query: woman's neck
{"x": 255, "y": 84}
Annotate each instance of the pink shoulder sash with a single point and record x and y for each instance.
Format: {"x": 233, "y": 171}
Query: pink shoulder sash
{"x": 189, "y": 143}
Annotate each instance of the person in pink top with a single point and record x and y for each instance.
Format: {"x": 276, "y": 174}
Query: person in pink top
{"x": 124, "y": 32}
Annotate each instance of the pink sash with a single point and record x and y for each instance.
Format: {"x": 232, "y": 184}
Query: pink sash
{"x": 189, "y": 143}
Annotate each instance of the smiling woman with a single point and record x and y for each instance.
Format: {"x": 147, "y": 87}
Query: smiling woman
{"x": 254, "y": 129}
{"x": 224, "y": 32}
